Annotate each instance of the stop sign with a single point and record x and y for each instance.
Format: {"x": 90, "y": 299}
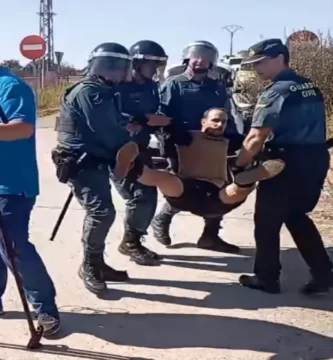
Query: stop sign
{"x": 33, "y": 47}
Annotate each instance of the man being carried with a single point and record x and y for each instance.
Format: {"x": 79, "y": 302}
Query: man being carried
{"x": 202, "y": 185}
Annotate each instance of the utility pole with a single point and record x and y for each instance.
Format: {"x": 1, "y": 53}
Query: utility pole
{"x": 46, "y": 31}
{"x": 285, "y": 33}
{"x": 232, "y": 29}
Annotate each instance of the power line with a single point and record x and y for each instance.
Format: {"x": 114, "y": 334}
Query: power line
{"x": 232, "y": 29}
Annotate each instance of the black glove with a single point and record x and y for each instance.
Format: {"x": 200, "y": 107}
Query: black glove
{"x": 140, "y": 119}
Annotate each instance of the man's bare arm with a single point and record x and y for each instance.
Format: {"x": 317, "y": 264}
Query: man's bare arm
{"x": 265, "y": 118}
{"x": 252, "y": 145}
{"x": 16, "y": 130}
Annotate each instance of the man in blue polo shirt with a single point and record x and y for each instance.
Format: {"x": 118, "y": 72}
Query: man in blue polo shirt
{"x": 19, "y": 187}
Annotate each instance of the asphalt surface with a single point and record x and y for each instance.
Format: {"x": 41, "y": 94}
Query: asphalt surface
{"x": 191, "y": 307}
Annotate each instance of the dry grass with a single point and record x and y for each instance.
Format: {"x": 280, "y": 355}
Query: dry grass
{"x": 49, "y": 99}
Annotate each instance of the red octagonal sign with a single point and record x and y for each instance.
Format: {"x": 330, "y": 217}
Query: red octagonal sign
{"x": 303, "y": 36}
{"x": 33, "y": 47}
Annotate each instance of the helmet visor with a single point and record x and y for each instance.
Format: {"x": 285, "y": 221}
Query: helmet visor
{"x": 162, "y": 59}
{"x": 201, "y": 52}
{"x": 111, "y": 68}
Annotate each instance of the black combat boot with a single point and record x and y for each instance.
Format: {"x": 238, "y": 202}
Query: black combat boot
{"x": 131, "y": 246}
{"x": 210, "y": 240}
{"x": 110, "y": 274}
{"x": 254, "y": 283}
{"x": 161, "y": 224}
{"x": 91, "y": 274}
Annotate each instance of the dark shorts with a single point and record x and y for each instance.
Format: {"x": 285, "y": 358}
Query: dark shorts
{"x": 201, "y": 198}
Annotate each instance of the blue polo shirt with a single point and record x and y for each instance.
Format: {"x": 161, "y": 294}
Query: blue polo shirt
{"x": 18, "y": 163}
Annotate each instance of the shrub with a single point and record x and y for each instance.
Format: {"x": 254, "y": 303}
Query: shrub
{"x": 49, "y": 99}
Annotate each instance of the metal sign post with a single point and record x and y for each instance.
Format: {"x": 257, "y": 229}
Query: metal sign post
{"x": 59, "y": 56}
{"x": 33, "y": 47}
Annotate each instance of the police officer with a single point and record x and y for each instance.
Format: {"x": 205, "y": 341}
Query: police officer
{"x": 139, "y": 97}
{"x": 290, "y": 119}
{"x": 185, "y": 98}
{"x": 90, "y": 124}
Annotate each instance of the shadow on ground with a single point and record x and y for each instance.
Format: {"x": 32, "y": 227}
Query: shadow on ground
{"x": 170, "y": 331}
{"x": 231, "y": 295}
{"x": 63, "y": 350}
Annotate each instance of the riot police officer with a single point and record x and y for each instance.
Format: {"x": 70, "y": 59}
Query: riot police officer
{"x": 90, "y": 126}
{"x": 140, "y": 97}
{"x": 290, "y": 119}
{"x": 185, "y": 98}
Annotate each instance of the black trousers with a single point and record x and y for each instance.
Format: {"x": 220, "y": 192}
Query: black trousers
{"x": 287, "y": 199}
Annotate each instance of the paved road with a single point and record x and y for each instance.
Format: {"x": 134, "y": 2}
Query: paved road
{"x": 46, "y": 122}
{"x": 188, "y": 308}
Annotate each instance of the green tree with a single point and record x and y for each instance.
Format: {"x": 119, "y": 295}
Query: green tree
{"x": 12, "y": 64}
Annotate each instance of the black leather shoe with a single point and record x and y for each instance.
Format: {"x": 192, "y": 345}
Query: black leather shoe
{"x": 253, "y": 282}
{"x": 318, "y": 286}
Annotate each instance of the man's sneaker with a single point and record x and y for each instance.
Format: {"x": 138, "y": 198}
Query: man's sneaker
{"x": 50, "y": 324}
{"x": 264, "y": 171}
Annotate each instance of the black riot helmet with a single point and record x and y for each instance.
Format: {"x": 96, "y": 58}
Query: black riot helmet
{"x": 200, "y": 56}
{"x": 110, "y": 61}
{"x": 148, "y": 56}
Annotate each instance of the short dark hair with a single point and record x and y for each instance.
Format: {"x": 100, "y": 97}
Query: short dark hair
{"x": 206, "y": 113}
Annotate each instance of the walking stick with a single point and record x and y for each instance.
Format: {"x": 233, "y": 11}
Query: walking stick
{"x": 35, "y": 334}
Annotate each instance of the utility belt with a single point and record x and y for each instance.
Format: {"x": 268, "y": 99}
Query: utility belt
{"x": 70, "y": 163}
{"x": 287, "y": 148}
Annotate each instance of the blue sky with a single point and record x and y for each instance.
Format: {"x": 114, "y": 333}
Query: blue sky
{"x": 80, "y": 25}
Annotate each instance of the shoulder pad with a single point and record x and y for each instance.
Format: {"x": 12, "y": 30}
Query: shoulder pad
{"x": 87, "y": 86}
{"x": 282, "y": 87}
{"x": 70, "y": 93}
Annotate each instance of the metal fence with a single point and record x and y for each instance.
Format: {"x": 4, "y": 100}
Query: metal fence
{"x": 51, "y": 80}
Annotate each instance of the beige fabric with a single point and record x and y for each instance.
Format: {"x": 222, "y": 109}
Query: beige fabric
{"x": 205, "y": 158}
